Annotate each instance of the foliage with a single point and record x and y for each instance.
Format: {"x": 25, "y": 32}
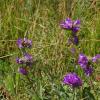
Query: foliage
{"x": 41, "y": 19}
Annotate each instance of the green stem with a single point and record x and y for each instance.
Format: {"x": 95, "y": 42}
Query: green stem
{"x": 31, "y": 83}
{"x": 74, "y": 94}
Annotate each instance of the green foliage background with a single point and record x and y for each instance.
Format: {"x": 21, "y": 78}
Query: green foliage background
{"x": 41, "y": 19}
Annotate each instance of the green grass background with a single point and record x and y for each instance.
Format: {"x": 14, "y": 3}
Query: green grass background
{"x": 41, "y": 19}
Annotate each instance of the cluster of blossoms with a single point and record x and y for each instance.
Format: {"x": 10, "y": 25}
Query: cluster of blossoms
{"x": 22, "y": 43}
{"x": 73, "y": 26}
{"x": 72, "y": 79}
{"x": 85, "y": 64}
{"x": 26, "y": 60}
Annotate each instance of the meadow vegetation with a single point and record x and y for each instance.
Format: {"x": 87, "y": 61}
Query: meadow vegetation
{"x": 41, "y": 19}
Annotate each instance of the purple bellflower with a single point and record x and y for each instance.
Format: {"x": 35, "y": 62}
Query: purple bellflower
{"x": 23, "y": 71}
{"x": 72, "y": 79}
{"x": 19, "y": 61}
{"x": 76, "y": 26}
{"x": 67, "y": 24}
{"x": 88, "y": 70}
{"x": 83, "y": 61}
{"x": 76, "y": 41}
{"x": 24, "y": 43}
{"x": 71, "y": 25}
{"x": 27, "y": 59}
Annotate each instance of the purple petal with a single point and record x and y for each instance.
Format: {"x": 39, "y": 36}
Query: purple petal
{"x": 23, "y": 71}
{"x": 24, "y": 43}
{"x": 67, "y": 24}
{"x": 72, "y": 79}
{"x": 76, "y": 41}
{"x": 76, "y": 22}
{"x": 19, "y": 43}
{"x": 19, "y": 61}
{"x": 88, "y": 70}
{"x": 82, "y": 61}
{"x": 76, "y": 26}
{"x": 28, "y": 56}
{"x": 75, "y": 29}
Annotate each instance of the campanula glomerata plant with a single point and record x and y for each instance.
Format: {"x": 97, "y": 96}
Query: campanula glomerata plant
{"x": 49, "y": 49}
{"x": 25, "y": 62}
{"x": 74, "y": 27}
{"x": 73, "y": 80}
{"x": 87, "y": 65}
{"x": 83, "y": 67}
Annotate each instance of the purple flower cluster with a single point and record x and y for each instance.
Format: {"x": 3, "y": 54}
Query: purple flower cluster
{"x": 74, "y": 26}
{"x": 71, "y": 25}
{"x": 26, "y": 60}
{"x": 73, "y": 80}
{"x": 22, "y": 43}
{"x": 84, "y": 63}
{"x": 23, "y": 71}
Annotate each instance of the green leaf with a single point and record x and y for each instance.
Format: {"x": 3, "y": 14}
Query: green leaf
{"x": 9, "y": 83}
{"x": 87, "y": 95}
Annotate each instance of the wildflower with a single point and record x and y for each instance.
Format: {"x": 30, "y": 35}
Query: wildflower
{"x": 82, "y": 61}
{"x": 24, "y": 43}
{"x": 73, "y": 80}
{"x": 29, "y": 59}
{"x": 88, "y": 70}
{"x": 19, "y": 61}
{"x": 71, "y": 25}
{"x": 95, "y": 58}
{"x": 75, "y": 41}
{"x": 23, "y": 71}
{"x": 76, "y": 26}
{"x": 26, "y": 59}
{"x": 67, "y": 24}
{"x": 85, "y": 64}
